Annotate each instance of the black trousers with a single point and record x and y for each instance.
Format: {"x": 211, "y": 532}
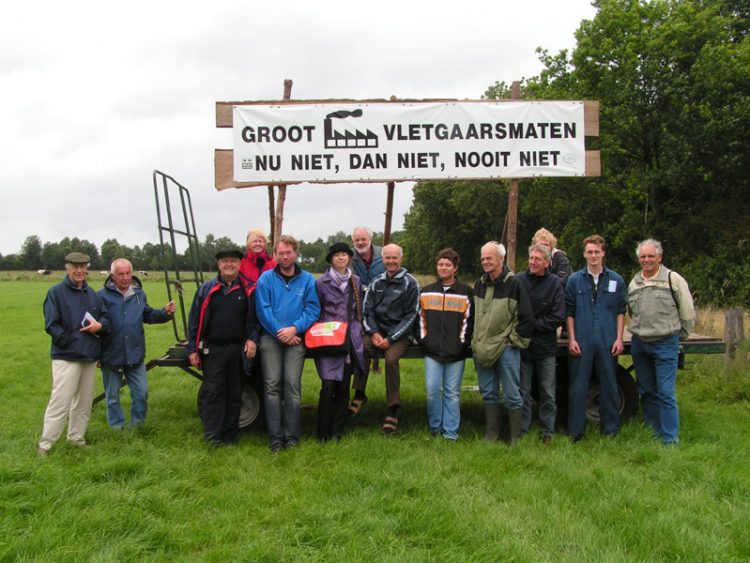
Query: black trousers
{"x": 221, "y": 392}
{"x": 333, "y": 406}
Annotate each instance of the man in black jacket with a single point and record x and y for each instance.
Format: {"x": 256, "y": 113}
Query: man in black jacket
{"x": 222, "y": 328}
{"x": 390, "y": 309}
{"x": 538, "y": 360}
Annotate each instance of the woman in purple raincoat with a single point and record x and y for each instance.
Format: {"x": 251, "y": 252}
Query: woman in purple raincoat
{"x": 340, "y": 295}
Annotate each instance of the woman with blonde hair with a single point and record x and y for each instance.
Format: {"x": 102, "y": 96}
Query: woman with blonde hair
{"x": 257, "y": 259}
{"x": 559, "y": 265}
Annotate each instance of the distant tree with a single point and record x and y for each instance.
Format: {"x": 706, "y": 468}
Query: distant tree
{"x": 312, "y": 255}
{"x": 206, "y": 252}
{"x": 31, "y": 253}
{"x": 154, "y": 256}
{"x": 339, "y": 236}
{"x": 53, "y": 257}
{"x": 11, "y": 262}
{"x": 111, "y": 249}
{"x": 463, "y": 215}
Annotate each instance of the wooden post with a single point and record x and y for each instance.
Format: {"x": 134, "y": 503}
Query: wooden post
{"x": 388, "y": 213}
{"x": 272, "y": 214}
{"x": 734, "y": 331}
{"x": 278, "y": 220}
{"x": 510, "y": 258}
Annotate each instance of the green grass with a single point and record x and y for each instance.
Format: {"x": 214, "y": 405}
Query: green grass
{"x": 160, "y": 494}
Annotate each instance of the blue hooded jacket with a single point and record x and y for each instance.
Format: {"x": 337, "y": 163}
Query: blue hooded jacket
{"x": 125, "y": 345}
{"x": 280, "y": 304}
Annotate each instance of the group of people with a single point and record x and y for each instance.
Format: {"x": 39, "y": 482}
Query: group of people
{"x": 254, "y": 315}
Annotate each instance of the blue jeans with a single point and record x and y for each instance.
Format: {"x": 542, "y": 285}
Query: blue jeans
{"x": 596, "y": 357}
{"x": 656, "y": 372}
{"x": 136, "y": 379}
{"x": 506, "y": 371}
{"x": 544, "y": 369}
{"x": 282, "y": 376}
{"x": 443, "y": 383}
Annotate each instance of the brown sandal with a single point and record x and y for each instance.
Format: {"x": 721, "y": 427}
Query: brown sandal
{"x": 355, "y": 406}
{"x": 390, "y": 425}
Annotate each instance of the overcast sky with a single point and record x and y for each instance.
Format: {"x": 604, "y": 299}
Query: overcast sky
{"x": 96, "y": 96}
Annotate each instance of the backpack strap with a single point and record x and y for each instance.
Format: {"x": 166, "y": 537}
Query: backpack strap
{"x": 671, "y": 289}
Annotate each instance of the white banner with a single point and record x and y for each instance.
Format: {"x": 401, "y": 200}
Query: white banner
{"x": 346, "y": 142}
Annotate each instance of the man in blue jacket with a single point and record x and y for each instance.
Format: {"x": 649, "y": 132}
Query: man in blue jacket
{"x": 75, "y": 317}
{"x": 287, "y": 306}
{"x": 124, "y": 348}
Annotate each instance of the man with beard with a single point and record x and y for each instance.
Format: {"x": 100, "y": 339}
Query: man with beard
{"x": 368, "y": 265}
{"x": 287, "y": 305}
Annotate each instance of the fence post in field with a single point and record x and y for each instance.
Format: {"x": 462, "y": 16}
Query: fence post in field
{"x": 734, "y": 331}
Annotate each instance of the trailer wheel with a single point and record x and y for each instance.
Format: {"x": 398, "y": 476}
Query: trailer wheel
{"x": 248, "y": 411}
{"x": 250, "y": 406}
{"x": 627, "y": 391}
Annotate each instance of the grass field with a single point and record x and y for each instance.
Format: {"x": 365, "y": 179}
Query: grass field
{"x": 160, "y": 495}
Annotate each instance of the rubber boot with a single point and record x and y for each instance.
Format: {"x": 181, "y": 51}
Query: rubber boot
{"x": 492, "y": 421}
{"x": 515, "y": 422}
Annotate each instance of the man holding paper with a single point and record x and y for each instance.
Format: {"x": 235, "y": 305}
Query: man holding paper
{"x": 75, "y": 317}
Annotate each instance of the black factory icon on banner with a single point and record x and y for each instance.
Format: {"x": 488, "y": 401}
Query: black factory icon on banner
{"x": 347, "y": 139}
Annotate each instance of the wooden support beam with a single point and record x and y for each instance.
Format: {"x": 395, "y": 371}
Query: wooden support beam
{"x": 388, "y": 213}
{"x": 591, "y": 118}
{"x": 512, "y": 214}
{"x": 278, "y": 223}
{"x": 593, "y": 163}
{"x": 510, "y": 257}
{"x": 271, "y": 213}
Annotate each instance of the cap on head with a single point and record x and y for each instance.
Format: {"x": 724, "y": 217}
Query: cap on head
{"x": 338, "y": 247}
{"x": 231, "y": 253}
{"x": 77, "y": 258}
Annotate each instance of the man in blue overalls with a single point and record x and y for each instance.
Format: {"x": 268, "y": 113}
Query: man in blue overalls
{"x": 595, "y": 318}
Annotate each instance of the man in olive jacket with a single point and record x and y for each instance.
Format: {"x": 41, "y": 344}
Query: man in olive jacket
{"x": 661, "y": 312}
{"x": 503, "y": 323}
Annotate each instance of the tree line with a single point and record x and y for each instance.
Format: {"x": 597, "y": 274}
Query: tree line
{"x": 36, "y": 255}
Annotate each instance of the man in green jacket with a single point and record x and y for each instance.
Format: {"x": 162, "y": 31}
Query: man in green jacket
{"x": 503, "y": 323}
{"x": 661, "y": 312}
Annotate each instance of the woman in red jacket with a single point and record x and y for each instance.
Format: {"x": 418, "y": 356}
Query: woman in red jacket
{"x": 257, "y": 259}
